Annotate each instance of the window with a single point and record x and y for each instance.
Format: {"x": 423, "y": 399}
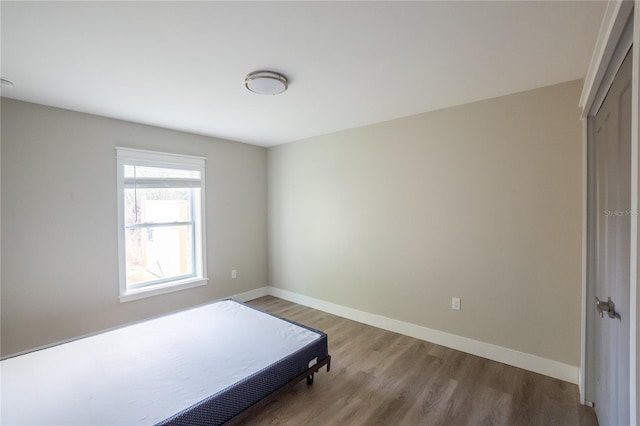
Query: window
{"x": 160, "y": 222}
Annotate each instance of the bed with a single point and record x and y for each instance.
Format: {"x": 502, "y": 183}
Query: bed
{"x": 203, "y": 366}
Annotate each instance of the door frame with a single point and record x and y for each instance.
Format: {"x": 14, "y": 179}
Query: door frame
{"x": 611, "y": 46}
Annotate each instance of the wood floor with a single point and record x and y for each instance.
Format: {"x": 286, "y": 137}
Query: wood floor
{"x": 382, "y": 378}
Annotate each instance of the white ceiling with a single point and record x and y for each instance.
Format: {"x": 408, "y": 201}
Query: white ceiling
{"x": 182, "y": 64}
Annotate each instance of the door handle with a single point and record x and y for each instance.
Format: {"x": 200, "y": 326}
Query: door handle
{"x": 608, "y": 307}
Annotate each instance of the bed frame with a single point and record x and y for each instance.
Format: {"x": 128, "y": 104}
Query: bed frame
{"x": 289, "y": 352}
{"x": 258, "y": 406}
{"x": 247, "y": 397}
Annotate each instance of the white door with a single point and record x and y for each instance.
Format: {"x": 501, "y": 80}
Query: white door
{"x": 612, "y": 253}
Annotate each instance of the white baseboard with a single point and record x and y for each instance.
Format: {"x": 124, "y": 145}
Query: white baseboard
{"x": 251, "y": 294}
{"x": 548, "y": 367}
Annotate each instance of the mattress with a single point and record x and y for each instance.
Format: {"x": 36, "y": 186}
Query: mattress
{"x": 199, "y": 366}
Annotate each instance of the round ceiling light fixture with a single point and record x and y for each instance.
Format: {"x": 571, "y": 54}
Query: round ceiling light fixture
{"x": 266, "y": 82}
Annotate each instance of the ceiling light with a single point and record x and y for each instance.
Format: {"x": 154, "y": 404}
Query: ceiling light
{"x": 5, "y": 83}
{"x": 266, "y": 82}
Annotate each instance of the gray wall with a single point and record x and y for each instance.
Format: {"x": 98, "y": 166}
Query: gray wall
{"x": 59, "y": 239}
{"x": 480, "y": 201}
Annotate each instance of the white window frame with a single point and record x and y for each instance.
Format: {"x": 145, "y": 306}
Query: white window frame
{"x": 137, "y": 157}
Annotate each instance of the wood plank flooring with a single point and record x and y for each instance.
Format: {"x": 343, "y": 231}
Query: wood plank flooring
{"x": 379, "y": 377}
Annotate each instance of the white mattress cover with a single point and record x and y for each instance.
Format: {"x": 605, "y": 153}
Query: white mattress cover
{"x": 147, "y": 372}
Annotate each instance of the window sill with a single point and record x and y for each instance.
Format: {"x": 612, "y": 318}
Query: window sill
{"x": 162, "y": 289}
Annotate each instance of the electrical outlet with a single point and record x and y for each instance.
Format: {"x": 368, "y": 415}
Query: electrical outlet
{"x": 233, "y": 274}
{"x": 455, "y": 303}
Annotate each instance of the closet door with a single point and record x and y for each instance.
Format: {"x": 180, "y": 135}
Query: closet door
{"x": 613, "y": 201}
